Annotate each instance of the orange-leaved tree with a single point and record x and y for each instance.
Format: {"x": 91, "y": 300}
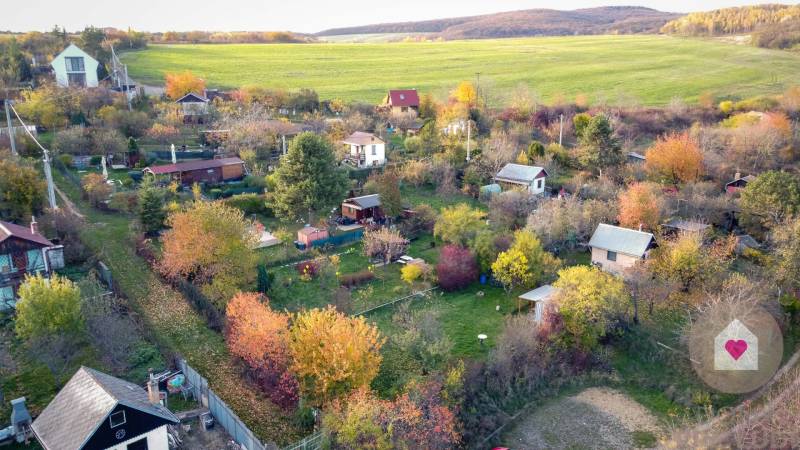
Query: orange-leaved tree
{"x": 640, "y": 204}
{"x": 333, "y": 353}
{"x": 210, "y": 244}
{"x": 675, "y": 158}
{"x": 180, "y": 84}
{"x": 260, "y": 336}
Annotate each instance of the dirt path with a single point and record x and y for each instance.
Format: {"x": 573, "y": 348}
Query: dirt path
{"x": 68, "y": 205}
{"x": 596, "y": 418}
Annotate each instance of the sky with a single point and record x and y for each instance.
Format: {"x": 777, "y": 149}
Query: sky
{"x": 306, "y": 16}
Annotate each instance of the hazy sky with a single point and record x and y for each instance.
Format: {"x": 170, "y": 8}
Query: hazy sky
{"x": 294, "y": 15}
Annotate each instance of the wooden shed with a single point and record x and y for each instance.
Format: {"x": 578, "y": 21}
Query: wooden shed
{"x": 205, "y": 171}
{"x": 308, "y": 234}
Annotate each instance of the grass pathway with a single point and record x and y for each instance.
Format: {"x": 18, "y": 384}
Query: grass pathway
{"x": 174, "y": 325}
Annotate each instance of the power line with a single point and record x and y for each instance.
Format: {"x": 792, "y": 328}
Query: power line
{"x": 48, "y": 174}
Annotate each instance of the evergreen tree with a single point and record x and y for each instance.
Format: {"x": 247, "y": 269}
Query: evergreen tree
{"x": 308, "y": 180}
{"x": 599, "y": 147}
{"x": 151, "y": 208}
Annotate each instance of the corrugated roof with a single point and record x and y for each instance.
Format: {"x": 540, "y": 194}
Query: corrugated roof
{"x": 621, "y": 240}
{"x": 519, "y": 173}
{"x": 8, "y": 230}
{"x": 365, "y": 201}
{"x": 193, "y": 165}
{"x": 362, "y": 138}
{"x": 542, "y": 293}
{"x": 83, "y": 403}
{"x": 404, "y": 97}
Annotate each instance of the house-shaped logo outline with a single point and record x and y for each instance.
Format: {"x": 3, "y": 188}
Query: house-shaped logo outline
{"x": 723, "y": 360}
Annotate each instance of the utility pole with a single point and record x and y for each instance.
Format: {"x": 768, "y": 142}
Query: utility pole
{"x": 561, "y": 129}
{"x": 10, "y": 128}
{"x": 51, "y": 192}
{"x": 469, "y": 138}
{"x": 127, "y": 88}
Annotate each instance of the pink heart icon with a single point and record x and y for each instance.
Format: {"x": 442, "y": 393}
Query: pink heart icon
{"x": 736, "y": 348}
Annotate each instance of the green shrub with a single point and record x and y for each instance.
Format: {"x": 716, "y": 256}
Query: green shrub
{"x": 761, "y": 103}
{"x": 66, "y": 160}
{"x": 95, "y": 160}
{"x": 248, "y": 203}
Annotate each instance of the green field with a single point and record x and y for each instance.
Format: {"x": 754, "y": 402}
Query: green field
{"x": 651, "y": 70}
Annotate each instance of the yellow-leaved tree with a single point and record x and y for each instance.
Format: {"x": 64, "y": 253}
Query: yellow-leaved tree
{"x": 465, "y": 93}
{"x": 675, "y": 158}
{"x": 180, "y": 84}
{"x": 333, "y": 354}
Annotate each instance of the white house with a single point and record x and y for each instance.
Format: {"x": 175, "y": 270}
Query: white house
{"x": 516, "y": 176}
{"x": 366, "y": 150}
{"x": 615, "y": 249}
{"x": 97, "y": 411}
{"x": 75, "y": 68}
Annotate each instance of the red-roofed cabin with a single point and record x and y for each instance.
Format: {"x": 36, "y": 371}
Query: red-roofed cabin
{"x": 23, "y": 251}
{"x": 402, "y": 100}
{"x": 205, "y": 171}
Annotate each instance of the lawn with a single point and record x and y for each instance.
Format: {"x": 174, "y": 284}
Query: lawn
{"x": 650, "y": 69}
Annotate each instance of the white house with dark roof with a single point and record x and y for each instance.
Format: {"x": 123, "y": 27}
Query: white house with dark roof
{"x": 615, "y": 249}
{"x": 516, "y": 176}
{"x": 366, "y": 150}
{"x": 75, "y": 68}
{"x": 97, "y": 411}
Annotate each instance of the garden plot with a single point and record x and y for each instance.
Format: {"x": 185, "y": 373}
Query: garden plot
{"x": 596, "y": 418}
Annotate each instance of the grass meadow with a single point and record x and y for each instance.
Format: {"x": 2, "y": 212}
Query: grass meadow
{"x": 647, "y": 69}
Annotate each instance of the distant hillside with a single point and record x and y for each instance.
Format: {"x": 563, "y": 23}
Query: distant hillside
{"x": 531, "y": 22}
{"x": 744, "y": 19}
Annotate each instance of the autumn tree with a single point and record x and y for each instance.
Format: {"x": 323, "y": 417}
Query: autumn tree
{"x": 48, "y": 307}
{"x": 590, "y": 302}
{"x": 458, "y": 224}
{"x": 640, "y": 205}
{"x": 456, "y": 268}
{"x": 308, "y": 180}
{"x": 333, "y": 354}
{"x": 525, "y": 263}
{"x": 466, "y": 94}
{"x": 260, "y": 336}
{"x": 21, "y": 190}
{"x": 96, "y": 188}
{"x": 385, "y": 243}
{"x": 769, "y": 199}
{"x": 688, "y": 262}
{"x": 487, "y": 245}
{"x": 179, "y": 84}
{"x": 786, "y": 238}
{"x": 163, "y": 133}
{"x": 387, "y": 186}
{"x": 675, "y": 158}
{"x": 210, "y": 244}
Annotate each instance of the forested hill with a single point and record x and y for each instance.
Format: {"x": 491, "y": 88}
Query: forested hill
{"x": 532, "y": 22}
{"x": 743, "y": 19}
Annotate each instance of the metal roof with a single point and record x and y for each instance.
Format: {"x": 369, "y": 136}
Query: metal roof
{"x": 519, "y": 173}
{"x": 193, "y": 165}
{"x": 365, "y": 201}
{"x": 8, "y": 230}
{"x": 76, "y": 412}
{"x": 362, "y": 138}
{"x": 621, "y": 240}
{"x": 404, "y": 97}
{"x": 540, "y": 294}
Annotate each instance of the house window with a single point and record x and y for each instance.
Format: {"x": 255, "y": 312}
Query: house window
{"x": 6, "y": 298}
{"x": 404, "y": 109}
{"x": 141, "y": 444}
{"x": 374, "y": 150}
{"x": 611, "y": 256}
{"x": 116, "y": 419}
{"x": 76, "y": 79}
{"x": 74, "y": 64}
{"x": 538, "y": 184}
{"x": 5, "y": 264}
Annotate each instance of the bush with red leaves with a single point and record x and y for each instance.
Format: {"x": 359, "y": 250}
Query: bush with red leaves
{"x": 457, "y": 268}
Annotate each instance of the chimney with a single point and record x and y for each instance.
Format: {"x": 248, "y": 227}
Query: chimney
{"x": 153, "y": 395}
{"x": 34, "y": 226}
{"x": 640, "y": 226}
{"x": 20, "y": 419}
{"x": 737, "y": 176}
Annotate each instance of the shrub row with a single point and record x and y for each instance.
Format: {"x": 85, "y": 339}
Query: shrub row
{"x": 356, "y": 279}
